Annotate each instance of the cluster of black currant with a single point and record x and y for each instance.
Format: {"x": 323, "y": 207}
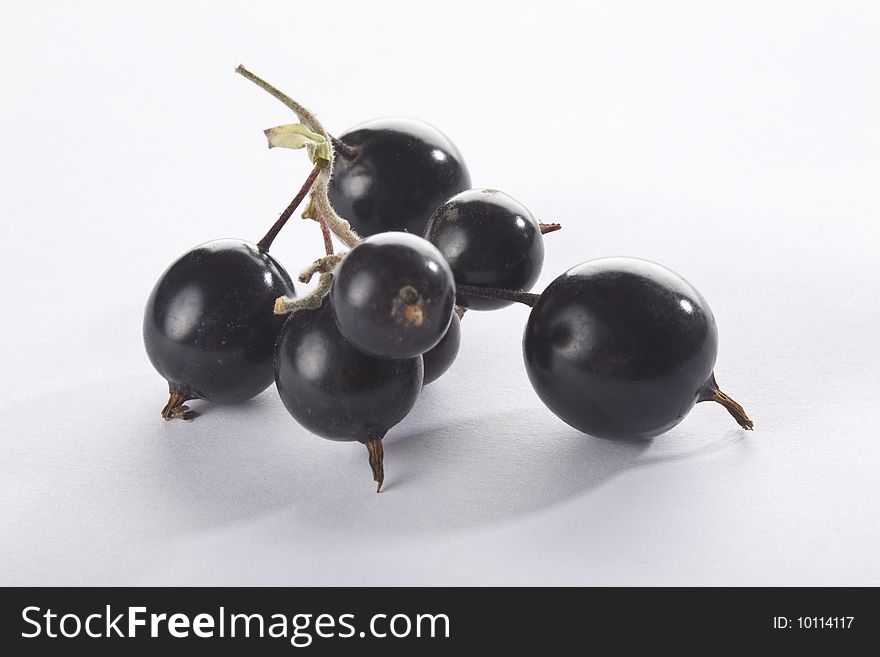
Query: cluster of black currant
{"x": 617, "y": 347}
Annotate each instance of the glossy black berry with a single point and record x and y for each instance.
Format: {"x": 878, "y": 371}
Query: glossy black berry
{"x": 403, "y": 169}
{"x": 623, "y": 348}
{"x": 209, "y": 328}
{"x": 490, "y": 240}
{"x": 337, "y": 391}
{"x": 393, "y": 295}
{"x": 440, "y": 358}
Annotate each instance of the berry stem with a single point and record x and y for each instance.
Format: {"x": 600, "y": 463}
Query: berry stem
{"x": 527, "y": 298}
{"x": 325, "y": 232}
{"x": 346, "y": 151}
{"x": 270, "y": 236}
{"x": 339, "y": 226}
{"x": 377, "y": 457}
{"x": 549, "y": 228}
{"x": 711, "y": 392}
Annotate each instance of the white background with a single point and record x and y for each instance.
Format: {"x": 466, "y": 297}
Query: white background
{"x": 737, "y": 143}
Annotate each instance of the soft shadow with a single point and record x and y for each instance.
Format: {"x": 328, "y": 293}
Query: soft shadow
{"x": 440, "y": 478}
{"x": 683, "y": 453}
{"x": 251, "y": 465}
{"x": 207, "y": 409}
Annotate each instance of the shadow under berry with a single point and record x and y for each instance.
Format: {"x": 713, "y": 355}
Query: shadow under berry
{"x": 442, "y": 478}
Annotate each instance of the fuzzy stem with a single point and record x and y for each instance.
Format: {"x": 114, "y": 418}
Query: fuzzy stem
{"x": 377, "y": 457}
{"x": 270, "y": 236}
{"x": 711, "y": 392}
{"x": 549, "y": 228}
{"x": 304, "y": 114}
{"x": 323, "y": 265}
{"x": 311, "y": 301}
{"x": 346, "y": 151}
{"x": 527, "y": 298}
{"x": 339, "y": 226}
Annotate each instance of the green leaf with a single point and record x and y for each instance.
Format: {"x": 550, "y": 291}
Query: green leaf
{"x": 296, "y": 136}
{"x": 309, "y": 212}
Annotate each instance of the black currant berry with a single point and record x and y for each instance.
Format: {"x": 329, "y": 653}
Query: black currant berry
{"x": 403, "y": 169}
{"x": 338, "y": 392}
{"x": 623, "y": 348}
{"x": 489, "y": 240}
{"x": 209, "y": 328}
{"x": 393, "y": 295}
{"x": 440, "y": 358}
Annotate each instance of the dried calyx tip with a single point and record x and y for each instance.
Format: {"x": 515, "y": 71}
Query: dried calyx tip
{"x": 374, "y": 448}
{"x": 549, "y": 228}
{"x": 408, "y": 306}
{"x": 176, "y": 406}
{"x": 738, "y": 412}
{"x": 413, "y": 314}
{"x": 711, "y": 392}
